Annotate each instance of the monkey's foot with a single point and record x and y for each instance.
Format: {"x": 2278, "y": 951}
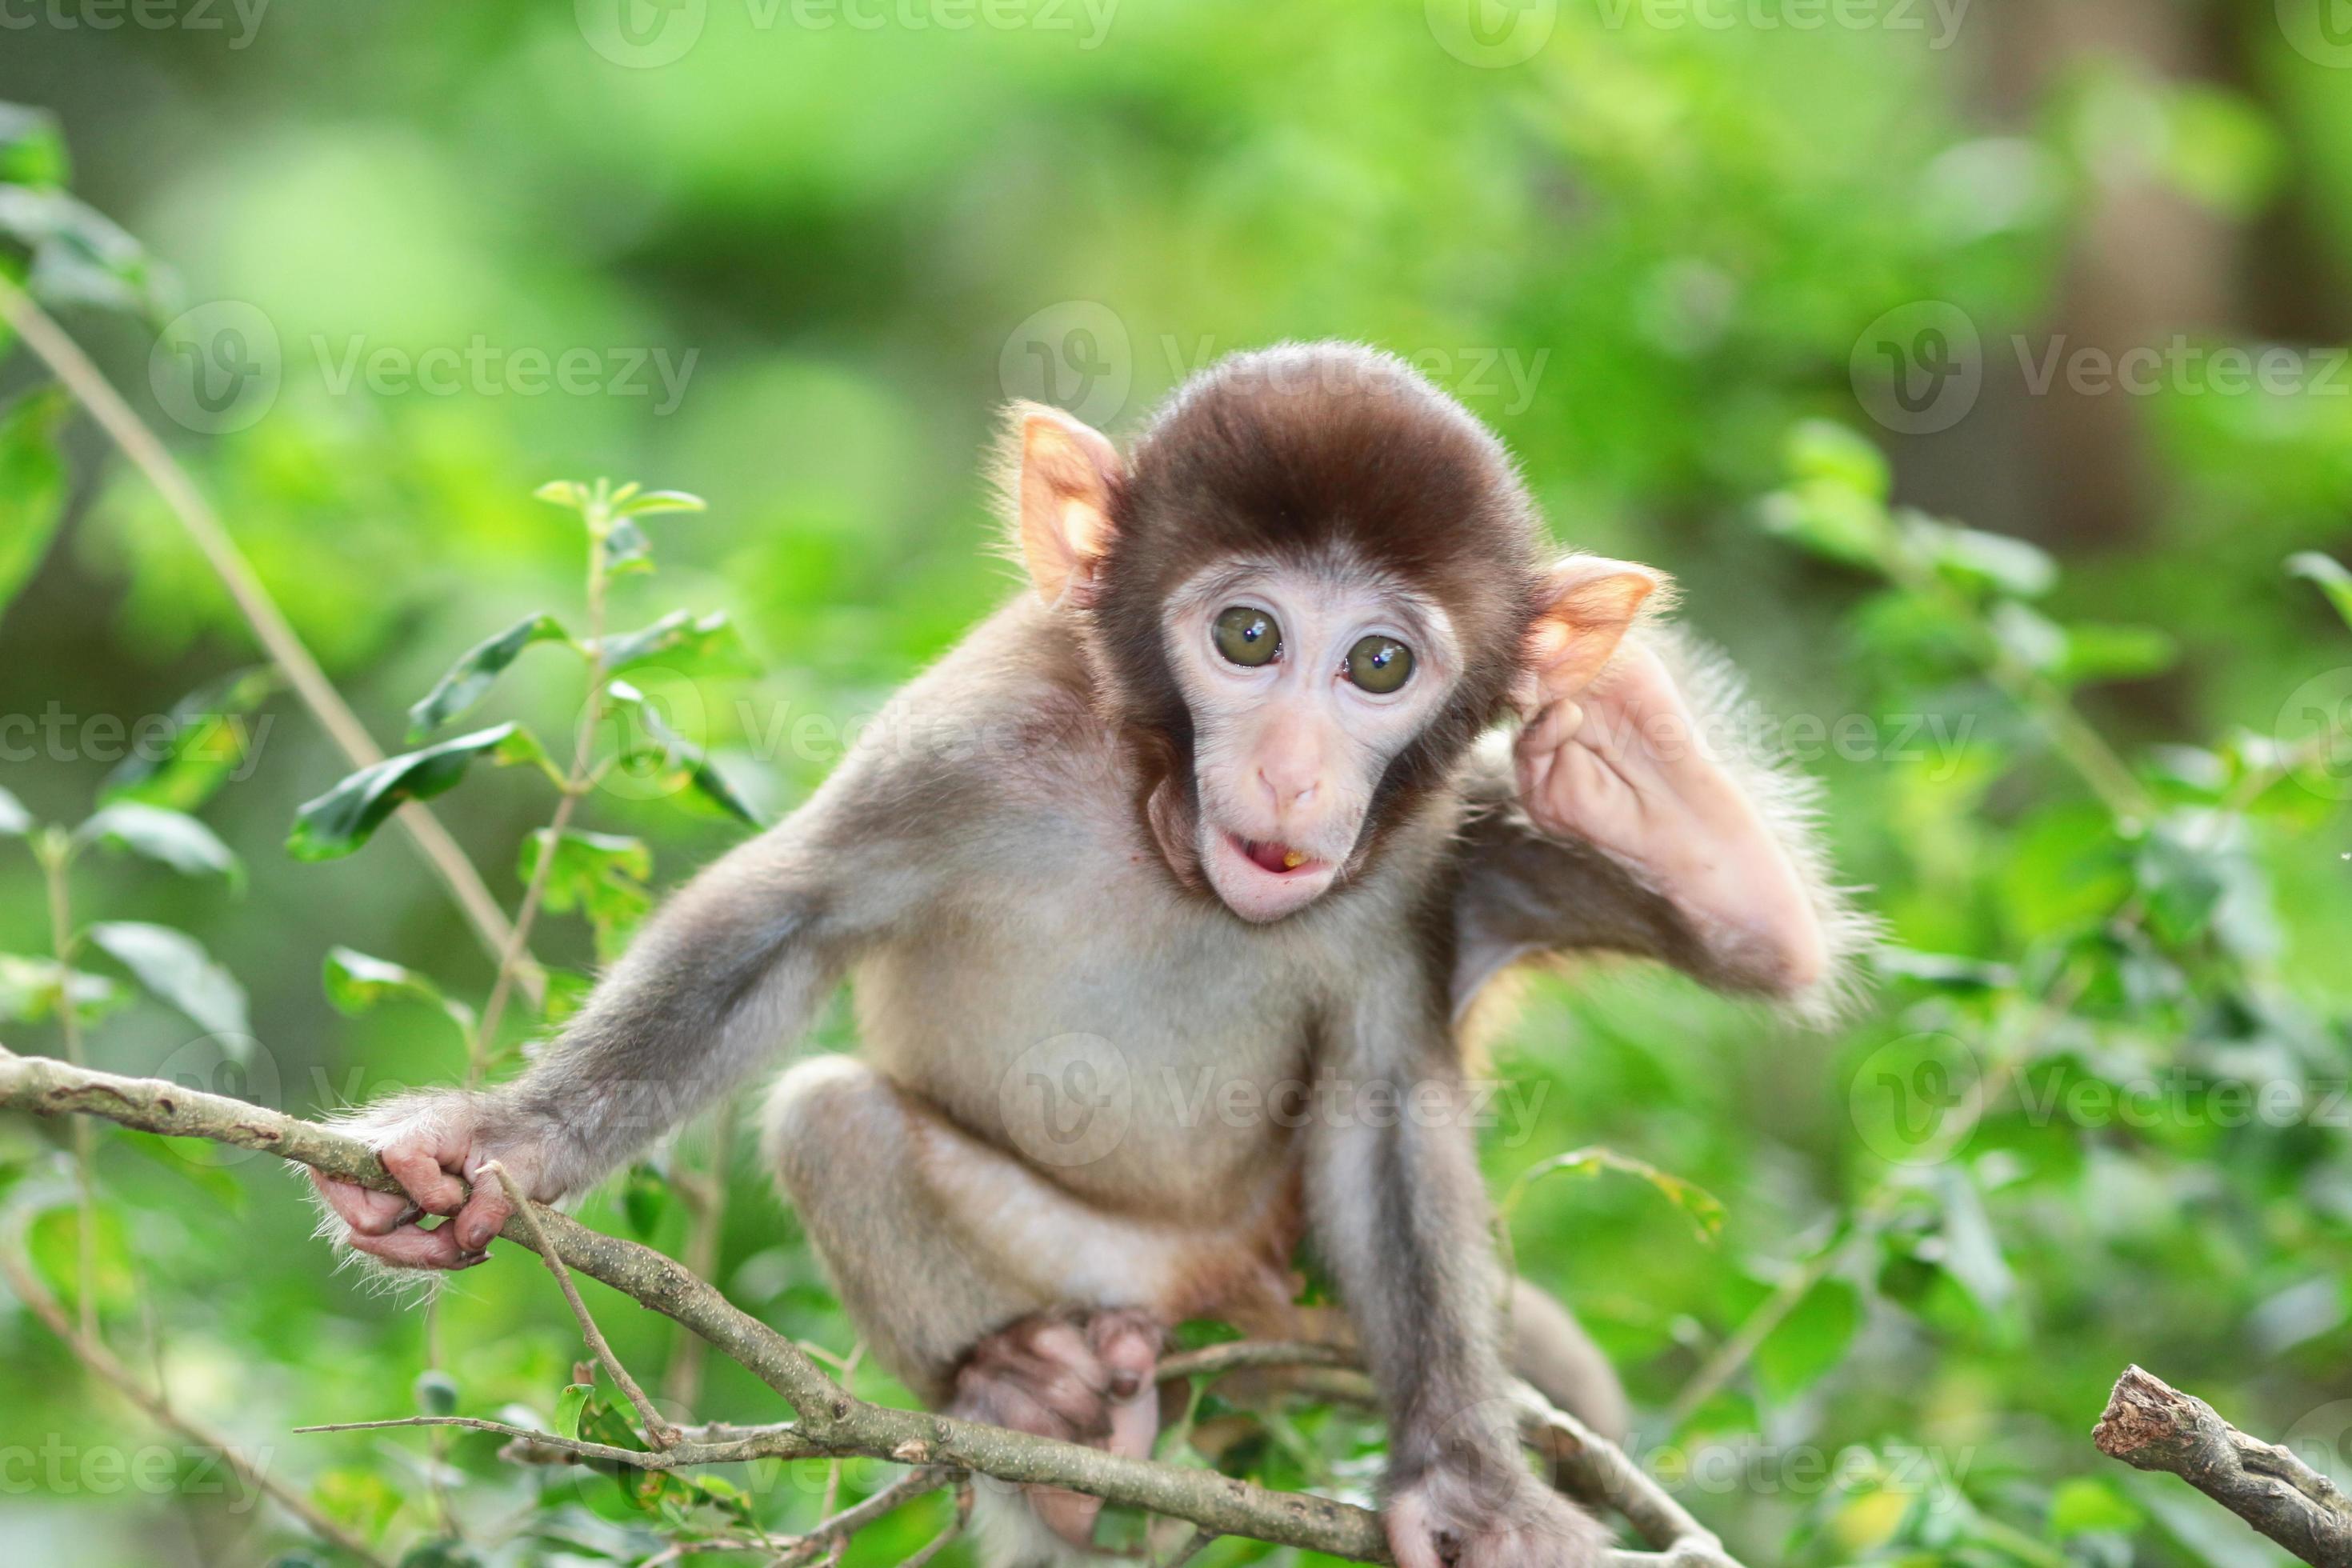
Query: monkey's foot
{"x": 1082, "y": 1376}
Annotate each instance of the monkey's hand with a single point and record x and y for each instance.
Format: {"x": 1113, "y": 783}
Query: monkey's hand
{"x": 427, "y": 1140}
{"x": 1492, "y": 1515}
{"x": 1081, "y": 1376}
{"x": 1624, "y": 766}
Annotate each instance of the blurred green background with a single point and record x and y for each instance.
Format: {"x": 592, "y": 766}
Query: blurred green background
{"x": 799, "y": 253}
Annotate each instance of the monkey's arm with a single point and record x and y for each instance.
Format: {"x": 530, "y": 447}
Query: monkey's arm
{"x": 733, "y": 967}
{"x": 1399, "y": 1216}
{"x": 1650, "y": 816}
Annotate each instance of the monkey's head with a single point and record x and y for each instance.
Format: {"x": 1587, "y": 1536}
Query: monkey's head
{"x": 1313, "y": 585}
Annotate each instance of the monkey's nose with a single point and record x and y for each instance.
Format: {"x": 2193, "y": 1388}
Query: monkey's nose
{"x": 1288, "y": 792}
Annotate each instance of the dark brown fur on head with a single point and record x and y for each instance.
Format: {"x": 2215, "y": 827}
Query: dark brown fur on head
{"x": 1292, "y": 453}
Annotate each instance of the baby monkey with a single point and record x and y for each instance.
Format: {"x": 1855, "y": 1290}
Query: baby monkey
{"x": 1205, "y": 810}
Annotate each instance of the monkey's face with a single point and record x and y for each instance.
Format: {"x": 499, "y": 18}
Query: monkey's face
{"x": 1303, "y": 682}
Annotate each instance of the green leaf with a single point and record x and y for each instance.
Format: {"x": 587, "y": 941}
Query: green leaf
{"x": 1704, "y": 1208}
{"x": 32, "y": 148}
{"x": 603, "y": 874}
{"x": 435, "y": 1392}
{"x": 15, "y": 820}
{"x": 1822, "y": 450}
{"x": 569, "y": 1405}
{"x": 563, "y": 493}
{"x": 626, "y": 548}
{"x": 660, "y": 755}
{"x": 340, "y": 821}
{"x": 28, "y": 990}
{"x": 1811, "y": 1341}
{"x": 441, "y": 1554}
{"x": 2098, "y": 650}
{"x": 206, "y": 741}
{"x": 2082, "y": 1504}
{"x": 653, "y": 502}
{"x": 470, "y": 679}
{"x": 1971, "y": 1252}
{"x": 1831, "y": 519}
{"x": 174, "y": 968}
{"x": 355, "y": 982}
{"x": 645, "y": 1198}
{"x": 31, "y": 484}
{"x": 172, "y": 838}
{"x": 1977, "y": 559}
{"x": 2330, "y": 575}
{"x": 679, "y": 640}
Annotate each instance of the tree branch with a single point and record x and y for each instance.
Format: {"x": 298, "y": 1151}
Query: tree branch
{"x": 830, "y": 1422}
{"x": 2151, "y": 1426}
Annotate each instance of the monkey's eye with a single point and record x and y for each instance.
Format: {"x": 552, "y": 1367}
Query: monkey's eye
{"x": 1379, "y": 664}
{"x": 1246, "y": 635}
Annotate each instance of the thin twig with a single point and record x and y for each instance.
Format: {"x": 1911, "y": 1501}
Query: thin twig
{"x": 102, "y": 1361}
{"x": 2151, "y": 1426}
{"x": 839, "y": 1527}
{"x": 830, "y": 1421}
{"x": 955, "y": 1527}
{"x": 270, "y": 627}
{"x": 705, "y": 1198}
{"x": 660, "y": 1432}
{"x": 56, "y": 855}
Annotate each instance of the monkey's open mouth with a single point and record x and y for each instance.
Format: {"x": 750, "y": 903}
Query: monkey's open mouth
{"x": 1279, "y": 858}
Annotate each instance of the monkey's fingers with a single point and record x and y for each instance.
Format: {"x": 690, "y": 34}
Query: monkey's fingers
{"x": 366, "y": 1211}
{"x": 412, "y": 1246}
{"x": 483, "y": 1216}
{"x": 418, "y": 1169}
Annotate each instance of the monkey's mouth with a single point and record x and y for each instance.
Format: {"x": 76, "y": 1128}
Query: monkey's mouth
{"x": 1279, "y": 859}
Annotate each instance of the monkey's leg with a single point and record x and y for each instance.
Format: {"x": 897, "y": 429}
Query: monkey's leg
{"x": 989, "y": 1291}
{"x": 1550, "y": 1349}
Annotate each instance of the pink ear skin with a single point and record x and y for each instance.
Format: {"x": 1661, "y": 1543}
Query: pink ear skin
{"x": 1589, "y": 603}
{"x": 1067, "y": 471}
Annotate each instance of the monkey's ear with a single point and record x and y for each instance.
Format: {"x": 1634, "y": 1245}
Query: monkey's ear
{"x": 1588, "y": 606}
{"x": 1062, "y": 497}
